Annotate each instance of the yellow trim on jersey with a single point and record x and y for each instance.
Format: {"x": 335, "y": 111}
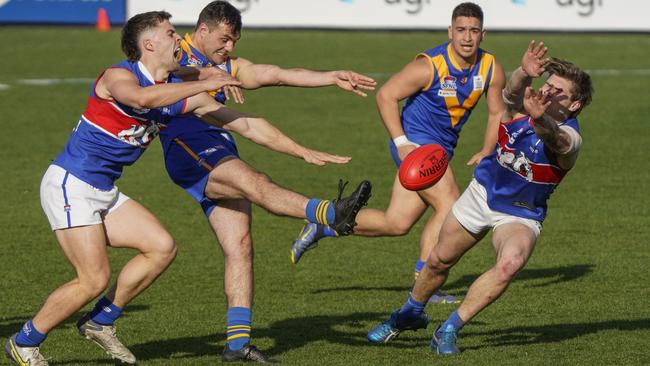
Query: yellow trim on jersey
{"x": 238, "y": 336}
{"x": 192, "y": 154}
{"x": 430, "y": 65}
{"x": 455, "y": 110}
{"x": 453, "y": 60}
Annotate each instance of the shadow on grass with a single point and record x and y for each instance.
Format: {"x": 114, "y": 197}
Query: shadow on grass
{"x": 11, "y": 324}
{"x": 285, "y": 334}
{"x": 551, "y": 276}
{"x": 552, "y": 333}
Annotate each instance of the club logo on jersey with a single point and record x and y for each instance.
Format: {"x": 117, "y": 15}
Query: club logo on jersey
{"x": 478, "y": 82}
{"x": 516, "y": 163}
{"x": 195, "y": 61}
{"x": 448, "y": 87}
{"x": 140, "y": 135}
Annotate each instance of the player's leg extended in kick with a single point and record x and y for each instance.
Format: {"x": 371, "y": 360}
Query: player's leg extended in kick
{"x": 131, "y": 225}
{"x": 404, "y": 209}
{"x": 237, "y": 179}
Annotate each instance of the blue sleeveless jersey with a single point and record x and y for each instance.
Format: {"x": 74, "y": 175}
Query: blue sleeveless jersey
{"x": 189, "y": 123}
{"x": 521, "y": 174}
{"x": 111, "y": 135}
{"x": 438, "y": 112}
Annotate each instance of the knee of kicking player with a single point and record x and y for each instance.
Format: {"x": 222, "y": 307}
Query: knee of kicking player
{"x": 257, "y": 187}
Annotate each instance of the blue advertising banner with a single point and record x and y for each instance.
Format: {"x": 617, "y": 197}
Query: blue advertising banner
{"x": 60, "y": 11}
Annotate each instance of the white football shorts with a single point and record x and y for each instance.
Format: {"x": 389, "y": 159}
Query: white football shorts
{"x": 69, "y": 201}
{"x": 473, "y": 212}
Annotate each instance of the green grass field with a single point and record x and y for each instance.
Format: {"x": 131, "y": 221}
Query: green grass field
{"x": 582, "y": 299}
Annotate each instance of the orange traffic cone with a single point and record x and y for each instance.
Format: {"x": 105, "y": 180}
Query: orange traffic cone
{"x": 103, "y": 24}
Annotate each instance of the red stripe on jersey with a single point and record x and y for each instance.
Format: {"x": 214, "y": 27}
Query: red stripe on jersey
{"x": 107, "y": 116}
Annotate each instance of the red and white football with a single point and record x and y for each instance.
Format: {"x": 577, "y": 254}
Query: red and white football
{"x": 423, "y": 167}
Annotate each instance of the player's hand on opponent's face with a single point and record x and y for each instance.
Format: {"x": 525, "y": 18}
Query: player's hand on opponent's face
{"x": 404, "y": 150}
{"x": 354, "y": 82}
{"x": 532, "y": 62}
{"x": 321, "y": 158}
{"x": 536, "y": 103}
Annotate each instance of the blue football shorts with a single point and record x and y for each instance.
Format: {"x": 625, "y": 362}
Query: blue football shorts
{"x": 190, "y": 158}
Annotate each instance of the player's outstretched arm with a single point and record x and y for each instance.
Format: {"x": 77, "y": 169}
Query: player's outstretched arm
{"x": 123, "y": 86}
{"x": 259, "y": 75}
{"x": 496, "y": 109}
{"x": 412, "y": 78}
{"x": 192, "y": 73}
{"x": 258, "y": 130}
{"x": 532, "y": 66}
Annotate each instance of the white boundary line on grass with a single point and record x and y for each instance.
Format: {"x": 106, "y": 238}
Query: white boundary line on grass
{"x": 73, "y": 81}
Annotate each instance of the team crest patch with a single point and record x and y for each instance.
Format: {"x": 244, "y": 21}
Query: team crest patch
{"x": 448, "y": 87}
{"x": 478, "y": 82}
{"x": 193, "y": 60}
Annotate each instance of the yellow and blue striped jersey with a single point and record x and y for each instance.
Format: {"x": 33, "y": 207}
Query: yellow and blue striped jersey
{"x": 437, "y": 113}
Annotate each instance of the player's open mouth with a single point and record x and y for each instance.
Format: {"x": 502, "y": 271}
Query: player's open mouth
{"x": 177, "y": 53}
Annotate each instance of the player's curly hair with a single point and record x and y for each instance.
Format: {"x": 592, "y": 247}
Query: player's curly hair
{"x": 220, "y": 12}
{"x": 469, "y": 10}
{"x": 582, "y": 86}
{"x": 135, "y": 26}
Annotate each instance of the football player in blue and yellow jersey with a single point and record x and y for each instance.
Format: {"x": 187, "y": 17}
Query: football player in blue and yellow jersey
{"x": 441, "y": 87}
{"x": 200, "y": 158}
{"x": 538, "y": 144}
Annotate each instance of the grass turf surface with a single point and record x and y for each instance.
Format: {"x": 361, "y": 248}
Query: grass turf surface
{"x": 582, "y": 299}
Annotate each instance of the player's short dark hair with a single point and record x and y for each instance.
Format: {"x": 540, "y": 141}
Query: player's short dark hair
{"x": 135, "y": 26}
{"x": 469, "y": 10}
{"x": 582, "y": 86}
{"x": 220, "y": 12}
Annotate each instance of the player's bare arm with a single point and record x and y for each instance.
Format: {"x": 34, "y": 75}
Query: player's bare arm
{"x": 412, "y": 78}
{"x": 123, "y": 86}
{"x": 496, "y": 109}
{"x": 555, "y": 138}
{"x": 192, "y": 73}
{"x": 532, "y": 66}
{"x": 255, "y": 76}
{"x": 258, "y": 130}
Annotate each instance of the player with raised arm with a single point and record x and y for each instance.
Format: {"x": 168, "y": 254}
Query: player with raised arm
{"x": 128, "y": 105}
{"x": 538, "y": 144}
{"x": 442, "y": 86}
{"x": 204, "y": 160}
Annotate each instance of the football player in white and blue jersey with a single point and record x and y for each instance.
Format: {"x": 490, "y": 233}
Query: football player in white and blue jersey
{"x": 129, "y": 103}
{"x": 199, "y": 157}
{"x": 441, "y": 87}
{"x": 538, "y": 143}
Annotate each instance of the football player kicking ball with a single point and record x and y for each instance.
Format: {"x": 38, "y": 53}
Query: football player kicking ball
{"x": 538, "y": 144}
{"x": 128, "y": 104}
{"x": 204, "y": 160}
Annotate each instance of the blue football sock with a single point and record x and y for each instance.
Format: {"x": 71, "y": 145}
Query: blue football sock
{"x": 455, "y": 321}
{"x": 419, "y": 265}
{"x": 238, "y": 331}
{"x": 319, "y": 211}
{"x": 410, "y": 311}
{"x": 105, "y": 312}
{"x": 29, "y": 336}
{"x": 329, "y": 232}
